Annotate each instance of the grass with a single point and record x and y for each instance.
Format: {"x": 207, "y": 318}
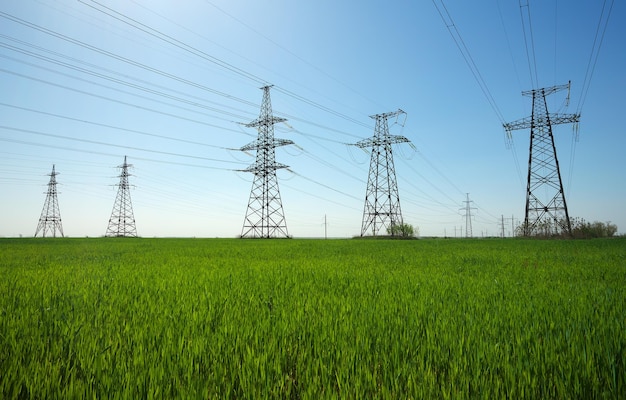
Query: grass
{"x": 227, "y": 318}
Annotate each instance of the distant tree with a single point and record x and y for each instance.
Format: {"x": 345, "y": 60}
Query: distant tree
{"x": 581, "y": 229}
{"x": 402, "y": 230}
{"x": 596, "y": 229}
{"x": 545, "y": 228}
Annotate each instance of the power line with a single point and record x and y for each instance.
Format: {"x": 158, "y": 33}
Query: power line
{"x": 121, "y": 58}
{"x": 177, "y": 78}
{"x": 291, "y": 52}
{"x": 168, "y": 39}
{"x": 110, "y": 78}
{"x": 74, "y": 77}
{"x": 530, "y": 53}
{"x": 112, "y": 99}
{"x": 253, "y": 61}
{"x": 556, "y": 30}
{"x": 508, "y": 43}
{"x": 415, "y": 171}
{"x": 593, "y": 56}
{"x": 16, "y": 129}
{"x": 321, "y": 107}
{"x": 469, "y": 61}
{"x": 324, "y": 185}
{"x": 87, "y": 151}
{"x": 317, "y": 196}
{"x": 110, "y": 126}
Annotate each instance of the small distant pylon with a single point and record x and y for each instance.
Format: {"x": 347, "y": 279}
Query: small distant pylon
{"x": 382, "y": 199}
{"x": 546, "y": 209}
{"x": 468, "y": 216}
{"x": 122, "y": 221}
{"x": 50, "y": 219}
{"x": 265, "y": 217}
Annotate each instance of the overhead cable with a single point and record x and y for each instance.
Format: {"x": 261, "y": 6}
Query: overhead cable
{"x": 595, "y": 52}
{"x": 52, "y": 135}
{"x": 460, "y": 44}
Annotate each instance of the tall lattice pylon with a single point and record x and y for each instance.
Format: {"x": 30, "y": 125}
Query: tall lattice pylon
{"x": 382, "y": 199}
{"x": 265, "y": 217}
{"x": 546, "y": 209}
{"x": 122, "y": 221}
{"x": 468, "y": 216}
{"x": 50, "y": 219}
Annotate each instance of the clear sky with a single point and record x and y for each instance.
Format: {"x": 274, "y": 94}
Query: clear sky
{"x": 169, "y": 84}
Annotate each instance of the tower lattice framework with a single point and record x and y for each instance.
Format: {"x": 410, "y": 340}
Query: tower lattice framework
{"x": 265, "y": 217}
{"x": 468, "y": 216}
{"x": 50, "y": 219}
{"x": 122, "y": 221}
{"x": 546, "y": 208}
{"x": 382, "y": 199}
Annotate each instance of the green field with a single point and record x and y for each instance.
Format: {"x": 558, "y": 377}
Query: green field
{"x": 228, "y": 318}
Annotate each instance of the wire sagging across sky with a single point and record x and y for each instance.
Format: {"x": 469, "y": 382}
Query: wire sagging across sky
{"x": 125, "y": 77}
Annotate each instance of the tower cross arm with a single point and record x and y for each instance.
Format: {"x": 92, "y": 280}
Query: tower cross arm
{"x": 388, "y": 114}
{"x": 546, "y": 91}
{"x": 397, "y": 139}
{"x": 263, "y": 169}
{"x": 552, "y": 119}
{"x": 523, "y": 123}
{"x": 265, "y": 121}
{"x": 382, "y": 140}
{"x": 259, "y": 144}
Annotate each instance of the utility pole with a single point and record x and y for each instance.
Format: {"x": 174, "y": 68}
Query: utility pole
{"x": 512, "y": 225}
{"x": 122, "y": 221}
{"x": 468, "y": 216}
{"x": 502, "y": 226}
{"x": 546, "y": 209}
{"x": 265, "y": 217}
{"x": 382, "y": 199}
{"x": 505, "y": 221}
{"x": 50, "y": 219}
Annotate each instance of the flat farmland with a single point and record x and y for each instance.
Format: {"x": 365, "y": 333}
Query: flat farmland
{"x": 230, "y": 318}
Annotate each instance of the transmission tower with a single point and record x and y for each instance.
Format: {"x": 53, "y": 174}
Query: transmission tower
{"x": 382, "y": 200}
{"x": 50, "y": 219}
{"x": 122, "y": 221}
{"x": 468, "y": 216}
{"x": 265, "y": 217}
{"x": 546, "y": 209}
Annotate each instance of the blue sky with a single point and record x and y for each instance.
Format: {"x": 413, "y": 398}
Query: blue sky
{"x": 168, "y": 84}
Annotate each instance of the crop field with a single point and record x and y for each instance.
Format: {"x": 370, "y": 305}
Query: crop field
{"x": 230, "y": 318}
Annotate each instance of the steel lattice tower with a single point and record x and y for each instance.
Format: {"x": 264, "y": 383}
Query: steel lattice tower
{"x": 546, "y": 209}
{"x": 265, "y": 217}
{"x": 468, "y": 216}
{"x": 382, "y": 200}
{"x": 50, "y": 219}
{"x": 122, "y": 221}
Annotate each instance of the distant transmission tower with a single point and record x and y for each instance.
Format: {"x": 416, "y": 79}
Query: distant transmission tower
{"x": 468, "y": 216}
{"x": 382, "y": 200}
{"x": 546, "y": 209}
{"x": 122, "y": 221}
{"x": 50, "y": 219}
{"x": 265, "y": 217}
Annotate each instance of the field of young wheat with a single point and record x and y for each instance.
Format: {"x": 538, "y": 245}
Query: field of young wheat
{"x": 228, "y": 318}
